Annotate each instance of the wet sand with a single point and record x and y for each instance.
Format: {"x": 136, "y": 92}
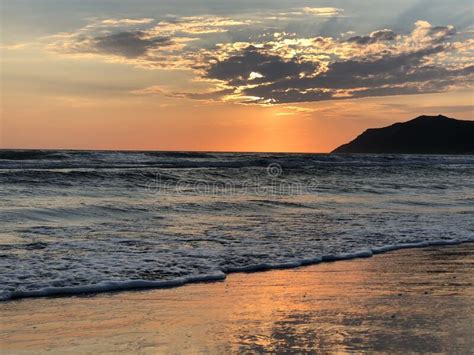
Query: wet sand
{"x": 418, "y": 300}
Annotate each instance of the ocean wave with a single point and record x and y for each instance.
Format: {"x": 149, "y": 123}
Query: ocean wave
{"x": 193, "y": 155}
{"x": 69, "y": 177}
{"x": 220, "y": 275}
{"x": 278, "y": 203}
{"x": 31, "y": 155}
{"x": 45, "y": 159}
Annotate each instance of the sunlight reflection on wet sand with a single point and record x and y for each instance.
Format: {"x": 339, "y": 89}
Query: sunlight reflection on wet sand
{"x": 418, "y": 300}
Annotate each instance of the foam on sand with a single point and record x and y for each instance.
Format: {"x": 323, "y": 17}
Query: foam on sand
{"x": 111, "y": 286}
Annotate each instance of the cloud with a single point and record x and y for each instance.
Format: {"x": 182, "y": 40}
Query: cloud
{"x": 432, "y": 109}
{"x": 389, "y": 69}
{"x": 237, "y": 70}
{"x": 125, "y": 21}
{"x": 143, "y": 42}
{"x": 424, "y": 31}
{"x": 377, "y": 36}
{"x": 278, "y": 66}
{"x": 196, "y": 25}
{"x": 213, "y": 95}
{"x": 13, "y": 46}
{"x": 391, "y": 75}
{"x": 323, "y": 11}
{"x": 386, "y": 64}
{"x": 126, "y": 44}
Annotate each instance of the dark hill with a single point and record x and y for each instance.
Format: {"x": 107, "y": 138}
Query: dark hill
{"x": 422, "y": 135}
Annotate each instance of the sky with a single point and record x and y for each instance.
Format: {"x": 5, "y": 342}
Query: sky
{"x": 209, "y": 75}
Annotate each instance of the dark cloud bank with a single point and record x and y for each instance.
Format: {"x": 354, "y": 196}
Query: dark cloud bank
{"x": 264, "y": 76}
{"x": 127, "y": 44}
{"x": 286, "y": 81}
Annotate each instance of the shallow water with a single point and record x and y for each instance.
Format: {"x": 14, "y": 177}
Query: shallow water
{"x": 76, "y": 221}
{"x": 417, "y": 300}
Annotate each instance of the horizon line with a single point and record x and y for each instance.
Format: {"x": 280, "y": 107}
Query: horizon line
{"x": 165, "y": 151}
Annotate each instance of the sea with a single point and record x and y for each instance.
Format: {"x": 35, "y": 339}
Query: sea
{"x": 78, "y": 222}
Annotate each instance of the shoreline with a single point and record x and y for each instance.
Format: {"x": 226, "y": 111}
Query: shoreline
{"x": 407, "y": 300}
{"x": 221, "y": 275}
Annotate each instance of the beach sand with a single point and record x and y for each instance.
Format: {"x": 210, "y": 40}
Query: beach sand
{"x": 407, "y": 300}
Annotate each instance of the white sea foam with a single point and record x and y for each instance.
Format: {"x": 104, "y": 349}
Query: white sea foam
{"x": 111, "y": 286}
